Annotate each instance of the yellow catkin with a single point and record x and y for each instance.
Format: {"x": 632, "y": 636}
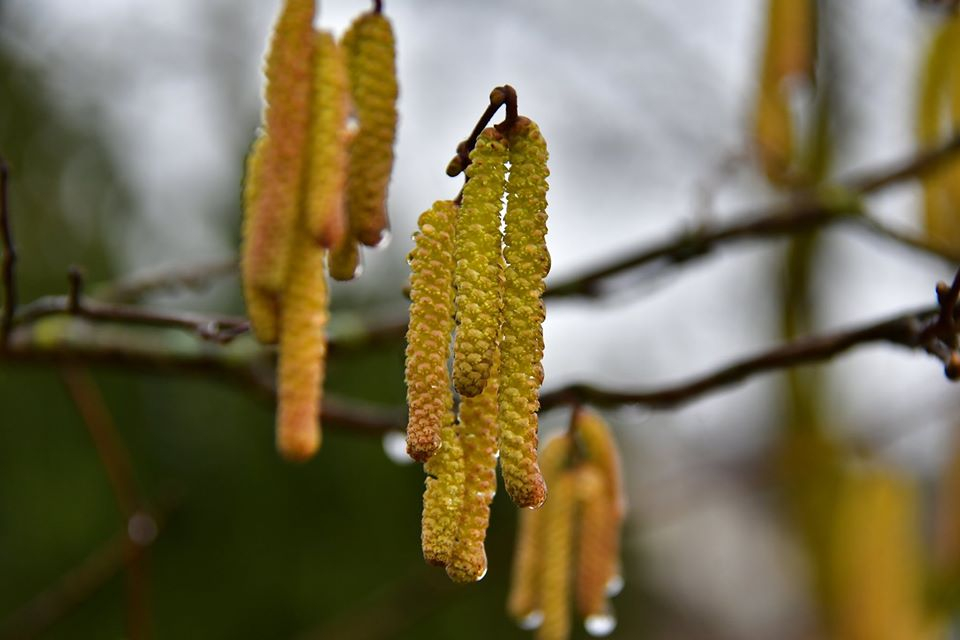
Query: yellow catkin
{"x": 262, "y": 307}
{"x": 443, "y": 497}
{"x": 343, "y": 262}
{"x": 558, "y": 531}
{"x": 787, "y": 53}
{"x": 289, "y": 71}
{"x": 524, "y": 602}
{"x": 478, "y": 435}
{"x": 429, "y": 329}
{"x": 302, "y": 352}
{"x": 597, "y": 541}
{"x": 479, "y": 264}
{"x": 600, "y": 448}
{"x": 521, "y": 345}
{"x": 876, "y": 564}
{"x": 370, "y": 52}
{"x": 327, "y": 172}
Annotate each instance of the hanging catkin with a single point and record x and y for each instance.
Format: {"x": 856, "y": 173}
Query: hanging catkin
{"x": 521, "y": 346}
{"x": 273, "y": 220}
{"x": 478, "y": 436}
{"x": 262, "y": 306}
{"x": 302, "y": 352}
{"x": 370, "y": 52}
{"x": 326, "y": 177}
{"x": 558, "y": 533}
{"x": 597, "y": 542}
{"x": 479, "y": 264}
{"x": 443, "y": 497}
{"x": 429, "y": 330}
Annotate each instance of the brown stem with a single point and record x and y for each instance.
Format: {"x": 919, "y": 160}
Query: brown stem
{"x": 9, "y": 280}
{"x": 505, "y": 95}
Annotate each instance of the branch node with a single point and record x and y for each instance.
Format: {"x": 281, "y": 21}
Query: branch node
{"x": 75, "y": 290}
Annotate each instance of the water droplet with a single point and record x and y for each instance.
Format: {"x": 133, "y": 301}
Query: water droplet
{"x": 532, "y": 620}
{"x": 386, "y": 236}
{"x": 483, "y": 573}
{"x": 358, "y": 271}
{"x": 600, "y": 625}
{"x": 614, "y": 585}
{"x": 142, "y": 528}
{"x": 353, "y": 124}
{"x": 395, "y": 447}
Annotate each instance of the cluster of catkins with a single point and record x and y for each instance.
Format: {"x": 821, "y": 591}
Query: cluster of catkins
{"x": 314, "y": 189}
{"x": 572, "y": 544}
{"x": 484, "y": 286}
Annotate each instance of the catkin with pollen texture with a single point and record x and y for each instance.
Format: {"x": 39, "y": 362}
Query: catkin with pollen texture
{"x": 371, "y": 52}
{"x": 429, "y": 330}
{"x": 478, "y": 436}
{"x": 326, "y": 176}
{"x": 443, "y": 497}
{"x": 479, "y": 264}
{"x": 262, "y": 306}
{"x": 289, "y": 70}
{"x": 521, "y": 345}
{"x": 302, "y": 352}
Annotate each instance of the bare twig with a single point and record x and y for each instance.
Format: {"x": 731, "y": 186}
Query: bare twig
{"x": 116, "y": 461}
{"x": 192, "y": 277}
{"x": 9, "y": 258}
{"x": 505, "y": 95}
{"x": 910, "y": 330}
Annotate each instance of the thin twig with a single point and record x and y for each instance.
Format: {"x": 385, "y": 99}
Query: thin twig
{"x": 505, "y": 95}
{"x": 9, "y": 258}
{"x": 172, "y": 279}
{"x": 908, "y": 330}
{"x": 116, "y": 461}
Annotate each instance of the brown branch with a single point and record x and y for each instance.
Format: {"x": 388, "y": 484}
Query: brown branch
{"x": 912, "y": 330}
{"x": 9, "y": 280}
{"x": 505, "y": 95}
{"x": 116, "y": 461}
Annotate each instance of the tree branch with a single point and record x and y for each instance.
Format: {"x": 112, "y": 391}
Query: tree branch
{"x": 191, "y": 277}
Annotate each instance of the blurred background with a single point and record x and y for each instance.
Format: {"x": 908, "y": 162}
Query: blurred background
{"x": 125, "y": 124}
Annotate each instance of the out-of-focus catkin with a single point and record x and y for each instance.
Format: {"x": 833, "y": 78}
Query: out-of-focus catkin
{"x": 524, "y": 601}
{"x": 370, "y": 52}
{"x": 327, "y": 171}
{"x": 479, "y": 264}
{"x": 556, "y": 574}
{"x": 478, "y": 437}
{"x": 289, "y": 73}
{"x": 302, "y": 352}
{"x": 521, "y": 346}
{"x": 262, "y": 305}
{"x": 429, "y": 330}
{"x": 597, "y": 542}
{"x": 443, "y": 497}
{"x": 600, "y": 448}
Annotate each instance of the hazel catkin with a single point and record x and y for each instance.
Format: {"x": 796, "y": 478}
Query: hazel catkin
{"x": 598, "y": 535}
{"x": 479, "y": 264}
{"x": 521, "y": 345}
{"x": 302, "y": 352}
{"x": 370, "y": 55}
{"x": 326, "y": 175}
{"x": 443, "y": 497}
{"x": 262, "y": 306}
{"x": 555, "y": 579}
{"x": 429, "y": 329}
{"x": 268, "y": 244}
{"x": 478, "y": 437}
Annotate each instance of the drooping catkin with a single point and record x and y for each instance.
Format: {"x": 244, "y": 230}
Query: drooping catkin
{"x": 478, "y": 436}
{"x": 479, "y": 264}
{"x": 343, "y": 261}
{"x": 370, "y": 54}
{"x": 443, "y": 497}
{"x": 524, "y": 601}
{"x": 596, "y": 543}
{"x": 876, "y": 561}
{"x": 302, "y": 352}
{"x": 289, "y": 71}
{"x": 556, "y": 572}
{"x": 429, "y": 330}
{"x": 327, "y": 171}
{"x": 600, "y": 449}
{"x": 262, "y": 306}
{"x": 521, "y": 345}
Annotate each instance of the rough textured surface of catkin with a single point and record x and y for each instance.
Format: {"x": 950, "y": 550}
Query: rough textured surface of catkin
{"x": 521, "y": 346}
{"x": 429, "y": 330}
{"x": 302, "y": 352}
{"x": 262, "y": 306}
{"x": 289, "y": 72}
{"x": 443, "y": 498}
{"x": 479, "y": 265}
{"x": 370, "y": 52}
{"x": 479, "y": 435}
{"x": 596, "y": 552}
{"x": 524, "y": 598}
{"x": 558, "y": 529}
{"x": 327, "y": 171}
